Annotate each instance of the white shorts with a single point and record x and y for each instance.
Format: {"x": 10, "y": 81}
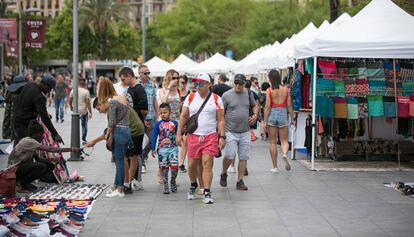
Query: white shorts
{"x": 237, "y": 142}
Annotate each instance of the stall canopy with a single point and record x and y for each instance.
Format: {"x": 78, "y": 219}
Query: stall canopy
{"x": 157, "y": 66}
{"x": 380, "y": 30}
{"x": 183, "y": 64}
{"x": 215, "y": 64}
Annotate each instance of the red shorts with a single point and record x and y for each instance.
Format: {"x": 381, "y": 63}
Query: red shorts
{"x": 199, "y": 145}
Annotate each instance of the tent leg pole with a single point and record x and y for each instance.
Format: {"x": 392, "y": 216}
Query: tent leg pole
{"x": 315, "y": 60}
{"x": 396, "y": 112}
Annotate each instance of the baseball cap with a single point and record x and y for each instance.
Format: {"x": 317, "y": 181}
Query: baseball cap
{"x": 49, "y": 80}
{"x": 201, "y": 77}
{"x": 240, "y": 78}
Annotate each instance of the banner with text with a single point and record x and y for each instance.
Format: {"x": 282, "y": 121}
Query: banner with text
{"x": 34, "y": 33}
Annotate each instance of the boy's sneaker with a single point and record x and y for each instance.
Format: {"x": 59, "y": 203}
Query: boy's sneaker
{"x": 182, "y": 169}
{"x": 127, "y": 190}
{"x": 223, "y": 180}
{"x": 207, "y": 199}
{"x": 191, "y": 192}
{"x": 241, "y": 186}
{"x": 173, "y": 186}
{"x": 137, "y": 186}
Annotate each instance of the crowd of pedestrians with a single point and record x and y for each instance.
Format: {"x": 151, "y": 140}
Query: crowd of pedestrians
{"x": 183, "y": 118}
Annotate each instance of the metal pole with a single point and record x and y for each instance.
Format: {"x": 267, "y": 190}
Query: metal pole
{"x": 2, "y": 62}
{"x": 143, "y": 26}
{"x": 75, "y": 135}
{"x": 396, "y": 113}
{"x": 20, "y": 39}
{"x": 315, "y": 60}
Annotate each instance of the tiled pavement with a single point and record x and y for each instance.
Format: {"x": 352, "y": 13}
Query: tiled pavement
{"x": 295, "y": 203}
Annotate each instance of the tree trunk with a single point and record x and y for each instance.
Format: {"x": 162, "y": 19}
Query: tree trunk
{"x": 103, "y": 46}
{"x": 334, "y": 7}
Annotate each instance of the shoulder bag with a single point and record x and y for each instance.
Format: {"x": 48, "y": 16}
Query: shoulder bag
{"x": 192, "y": 123}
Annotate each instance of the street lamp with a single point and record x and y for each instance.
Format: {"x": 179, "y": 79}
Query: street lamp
{"x": 29, "y": 10}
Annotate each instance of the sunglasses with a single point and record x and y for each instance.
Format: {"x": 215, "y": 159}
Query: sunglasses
{"x": 239, "y": 83}
{"x": 145, "y": 73}
{"x": 199, "y": 84}
{"x": 175, "y": 78}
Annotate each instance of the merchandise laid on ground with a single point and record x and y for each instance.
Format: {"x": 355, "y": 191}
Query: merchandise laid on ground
{"x": 406, "y": 188}
{"x": 55, "y": 210}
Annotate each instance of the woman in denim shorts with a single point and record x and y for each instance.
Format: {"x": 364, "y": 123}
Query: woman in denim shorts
{"x": 276, "y": 121}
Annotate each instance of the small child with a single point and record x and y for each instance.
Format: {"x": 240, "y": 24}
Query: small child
{"x": 166, "y": 130}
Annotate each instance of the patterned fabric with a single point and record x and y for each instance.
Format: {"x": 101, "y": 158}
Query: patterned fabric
{"x": 352, "y": 108}
{"x": 375, "y": 106}
{"x": 408, "y": 88}
{"x": 309, "y": 66}
{"x": 403, "y": 107}
{"x": 352, "y": 68}
{"x": 295, "y": 90}
{"x": 324, "y": 106}
{"x": 151, "y": 93}
{"x": 362, "y": 107}
{"x": 389, "y": 106}
{"x": 377, "y": 87}
{"x": 375, "y": 70}
{"x": 407, "y": 70}
{"x": 342, "y": 70}
{"x": 323, "y": 86}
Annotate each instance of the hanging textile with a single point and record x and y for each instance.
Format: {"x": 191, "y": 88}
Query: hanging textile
{"x": 403, "y": 107}
{"x": 375, "y": 70}
{"x": 352, "y": 108}
{"x": 295, "y": 90}
{"x": 324, "y": 106}
{"x": 305, "y": 91}
{"x": 340, "y": 107}
{"x": 411, "y": 106}
{"x": 375, "y": 106}
{"x": 328, "y": 68}
{"x": 362, "y": 70}
{"x": 339, "y": 88}
{"x": 324, "y": 86}
{"x": 389, "y": 106}
{"x": 362, "y": 107}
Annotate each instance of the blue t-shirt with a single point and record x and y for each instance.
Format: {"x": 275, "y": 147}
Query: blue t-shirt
{"x": 164, "y": 129}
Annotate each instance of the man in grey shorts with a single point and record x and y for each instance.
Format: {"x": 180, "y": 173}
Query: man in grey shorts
{"x": 240, "y": 111}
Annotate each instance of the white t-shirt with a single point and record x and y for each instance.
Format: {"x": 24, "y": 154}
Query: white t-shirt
{"x": 207, "y": 120}
{"x": 82, "y": 95}
{"x": 120, "y": 89}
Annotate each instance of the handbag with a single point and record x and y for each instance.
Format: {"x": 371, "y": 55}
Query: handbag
{"x": 8, "y": 181}
{"x": 192, "y": 123}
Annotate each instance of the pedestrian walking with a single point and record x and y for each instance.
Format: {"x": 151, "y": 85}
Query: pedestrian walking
{"x": 276, "y": 121}
{"x": 60, "y": 93}
{"x": 152, "y": 114}
{"x": 84, "y": 107}
{"x": 238, "y": 103}
{"x": 170, "y": 94}
{"x": 202, "y": 143}
{"x": 184, "y": 92}
{"x": 262, "y": 103}
{"x": 221, "y": 86}
{"x": 166, "y": 130}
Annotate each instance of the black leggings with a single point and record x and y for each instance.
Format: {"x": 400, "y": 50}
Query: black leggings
{"x": 30, "y": 171}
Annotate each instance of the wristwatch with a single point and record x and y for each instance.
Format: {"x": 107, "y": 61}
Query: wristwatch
{"x": 222, "y": 136}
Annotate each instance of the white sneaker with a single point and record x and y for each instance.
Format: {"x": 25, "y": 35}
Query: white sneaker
{"x": 137, "y": 186}
{"x": 207, "y": 199}
{"x": 144, "y": 170}
{"x": 231, "y": 170}
{"x": 115, "y": 193}
{"x": 274, "y": 170}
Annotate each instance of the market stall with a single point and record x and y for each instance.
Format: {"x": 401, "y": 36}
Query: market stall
{"x": 360, "y": 77}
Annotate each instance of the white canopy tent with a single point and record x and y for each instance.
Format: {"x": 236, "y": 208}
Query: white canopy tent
{"x": 380, "y": 30}
{"x": 157, "y": 66}
{"x": 215, "y": 64}
{"x": 245, "y": 65}
{"x": 183, "y": 64}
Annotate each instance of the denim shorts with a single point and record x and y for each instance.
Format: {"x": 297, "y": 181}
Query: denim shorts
{"x": 278, "y": 117}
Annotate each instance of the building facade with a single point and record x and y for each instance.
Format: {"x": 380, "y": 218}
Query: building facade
{"x": 45, "y": 8}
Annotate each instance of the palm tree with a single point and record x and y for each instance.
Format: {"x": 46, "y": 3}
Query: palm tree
{"x": 102, "y": 16}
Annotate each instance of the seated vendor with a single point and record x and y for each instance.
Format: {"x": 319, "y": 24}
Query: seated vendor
{"x": 30, "y": 166}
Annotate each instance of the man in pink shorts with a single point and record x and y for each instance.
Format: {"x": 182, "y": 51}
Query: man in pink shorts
{"x": 203, "y": 144}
